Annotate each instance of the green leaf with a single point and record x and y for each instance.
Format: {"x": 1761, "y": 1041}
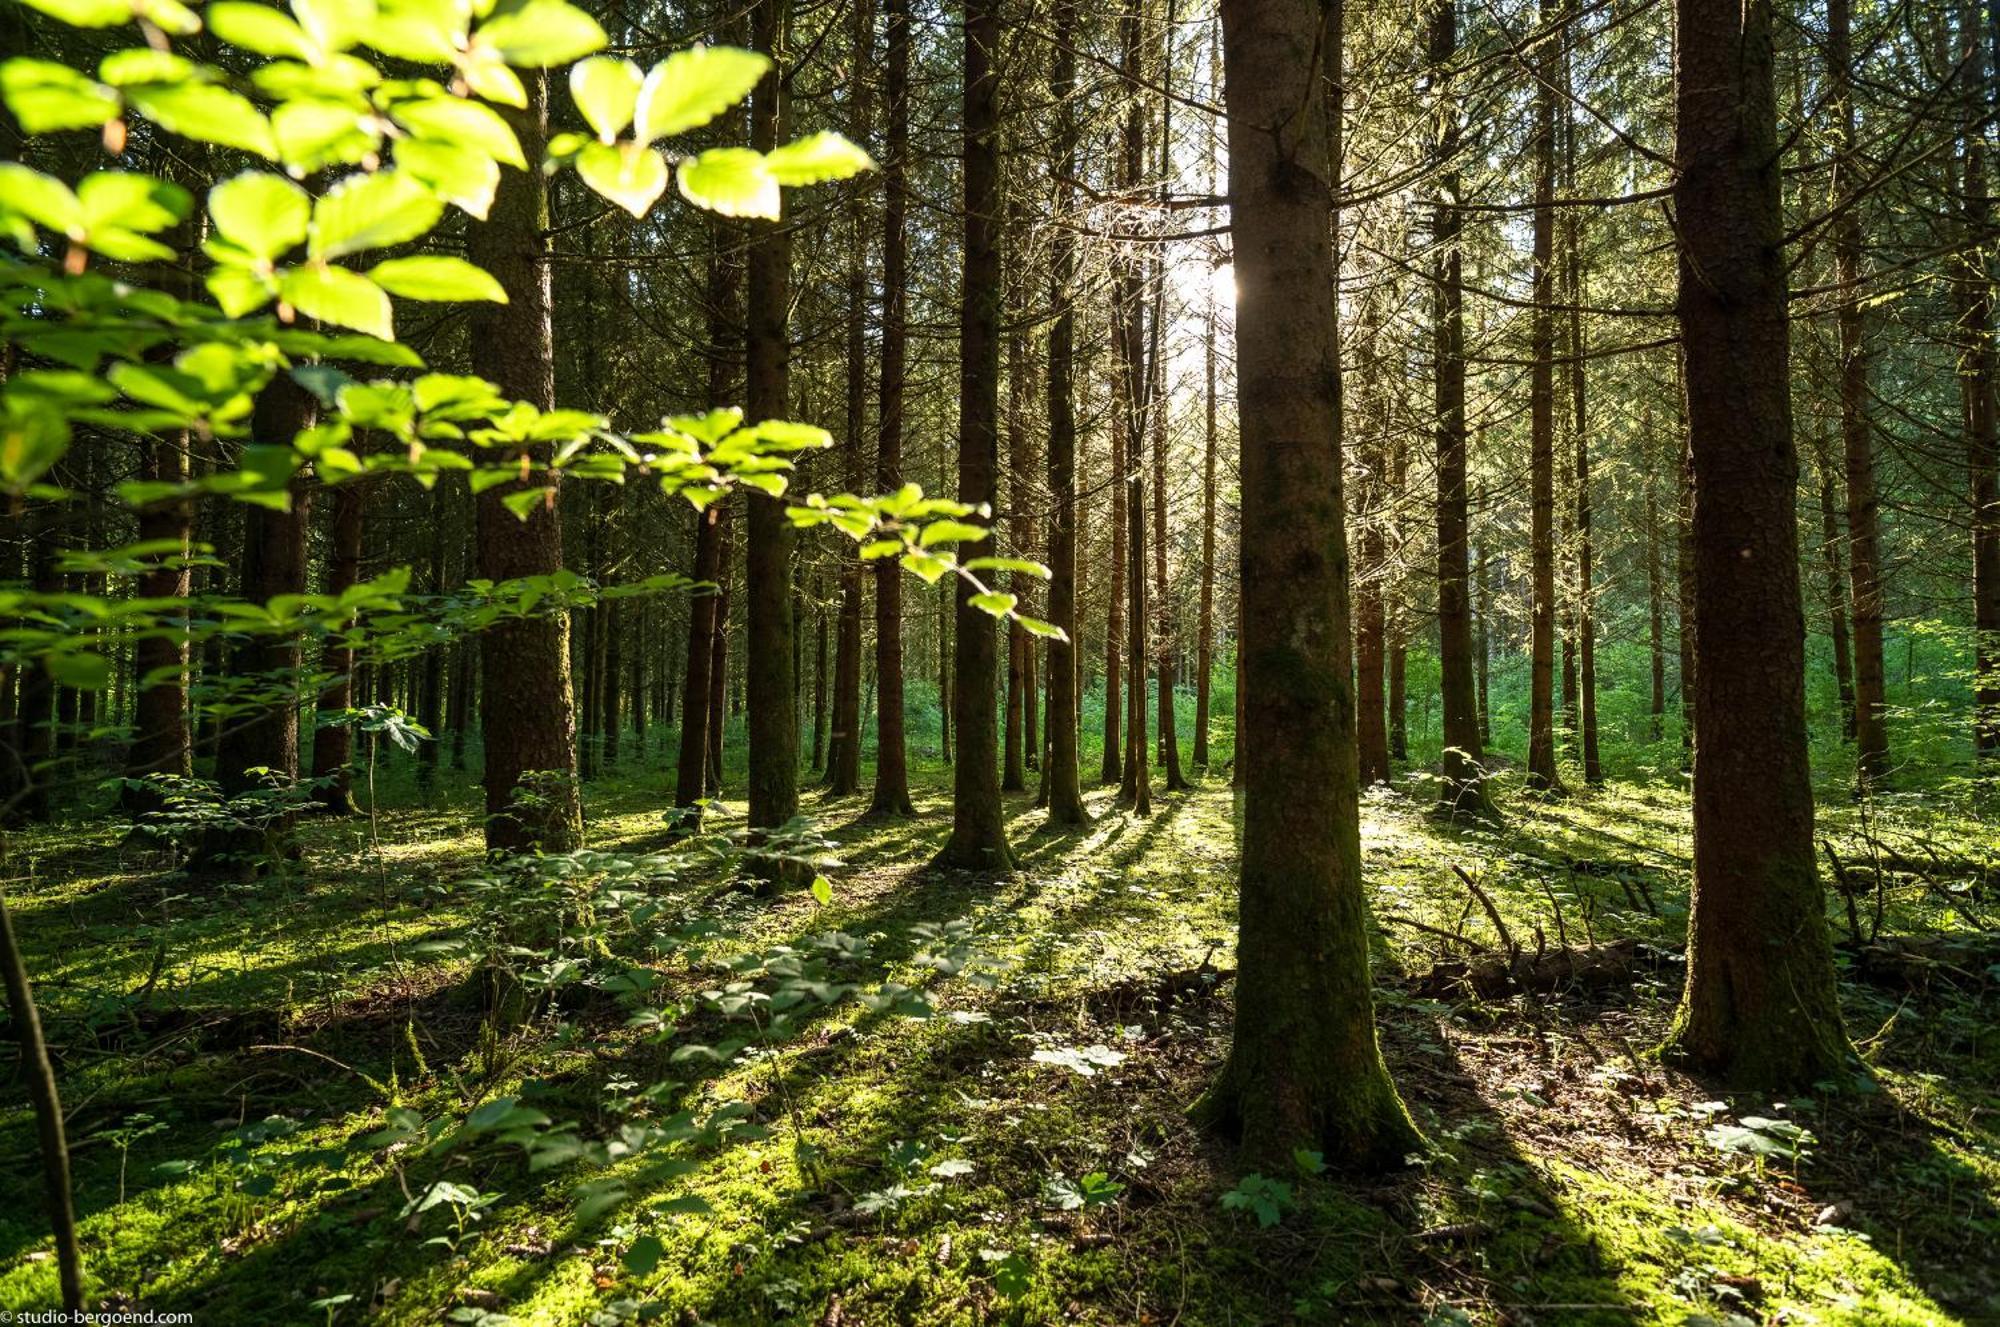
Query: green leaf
{"x": 313, "y": 134}
{"x": 950, "y": 532}
{"x": 85, "y": 13}
{"x": 1019, "y": 566}
{"x": 370, "y": 212}
{"x": 606, "y": 89}
{"x": 629, "y": 174}
{"x": 334, "y": 25}
{"x": 644, "y": 1255}
{"x": 822, "y": 890}
{"x": 995, "y": 603}
{"x": 34, "y": 434}
{"x": 260, "y": 28}
{"x": 463, "y": 176}
{"x": 929, "y": 566}
{"x": 143, "y": 64}
{"x": 209, "y": 113}
{"x": 85, "y": 672}
{"x": 732, "y": 182}
{"x": 1034, "y": 626}
{"x": 421, "y": 31}
{"x": 130, "y": 201}
{"x": 457, "y": 120}
{"x": 41, "y": 198}
{"x": 239, "y": 290}
{"x": 436, "y": 278}
{"x": 265, "y": 215}
{"x": 816, "y": 159}
{"x": 689, "y": 88}
{"x": 542, "y": 33}
{"x": 523, "y": 501}
{"x": 47, "y": 97}
{"x": 338, "y": 296}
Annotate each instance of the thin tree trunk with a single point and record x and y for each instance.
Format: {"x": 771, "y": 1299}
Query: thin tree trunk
{"x": 1061, "y": 776}
{"x": 843, "y": 757}
{"x": 1542, "y": 775}
{"x": 1205, "y": 630}
{"x": 333, "y": 746}
{"x": 1656, "y": 625}
{"x": 1461, "y": 696}
{"x": 978, "y": 829}
{"x": 1871, "y": 734}
{"x": 1760, "y": 1008}
{"x": 1836, "y": 583}
{"x": 892, "y": 778}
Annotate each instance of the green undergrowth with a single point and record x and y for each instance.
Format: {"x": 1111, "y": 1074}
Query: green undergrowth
{"x": 1019, "y": 1153}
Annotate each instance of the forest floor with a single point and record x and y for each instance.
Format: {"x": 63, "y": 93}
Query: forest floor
{"x": 1022, "y": 1156}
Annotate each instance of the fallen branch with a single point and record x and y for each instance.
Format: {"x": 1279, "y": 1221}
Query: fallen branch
{"x": 1492, "y": 913}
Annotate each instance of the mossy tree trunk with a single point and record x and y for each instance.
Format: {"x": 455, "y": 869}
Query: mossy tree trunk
{"x": 1760, "y": 1008}
{"x": 1304, "y": 1069}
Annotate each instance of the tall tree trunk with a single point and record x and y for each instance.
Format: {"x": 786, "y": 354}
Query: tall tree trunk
{"x": 1205, "y": 629}
{"x": 1014, "y": 722}
{"x": 978, "y": 839}
{"x": 1976, "y": 381}
{"x": 1165, "y": 638}
{"x": 1396, "y": 622}
{"x": 1586, "y": 590}
{"x": 1463, "y": 791}
{"x": 1304, "y": 1069}
{"x": 161, "y": 740}
{"x": 526, "y": 706}
{"x": 1542, "y": 775}
{"x": 1128, "y": 341}
{"x": 1483, "y": 650}
{"x": 892, "y": 777}
{"x": 843, "y": 762}
{"x": 1760, "y": 1007}
{"x": 1684, "y": 570}
{"x": 1061, "y": 776}
{"x": 34, "y": 734}
{"x": 1871, "y": 733}
{"x": 333, "y": 746}
{"x": 1836, "y": 582}
{"x": 1656, "y": 616}
{"x": 1113, "y": 768}
{"x": 430, "y": 694}
{"x": 768, "y": 534}
{"x": 1371, "y": 617}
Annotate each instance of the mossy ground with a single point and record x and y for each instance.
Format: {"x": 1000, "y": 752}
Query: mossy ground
{"x": 1571, "y": 1181}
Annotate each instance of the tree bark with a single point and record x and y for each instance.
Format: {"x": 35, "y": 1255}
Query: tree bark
{"x": 333, "y": 747}
{"x": 526, "y": 704}
{"x": 1463, "y": 791}
{"x": 892, "y": 777}
{"x": 1871, "y": 733}
{"x": 1836, "y": 583}
{"x": 1304, "y": 1069}
{"x": 768, "y": 535}
{"x": 1061, "y": 776}
{"x": 1542, "y": 775}
{"x": 978, "y": 839}
{"x": 1760, "y": 1007}
{"x": 843, "y": 758}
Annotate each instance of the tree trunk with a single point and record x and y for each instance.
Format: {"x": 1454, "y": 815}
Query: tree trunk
{"x": 1760, "y": 1007}
{"x": 1836, "y": 584}
{"x": 1656, "y": 625}
{"x": 978, "y": 839}
{"x": 843, "y": 757}
{"x": 1113, "y": 768}
{"x": 1684, "y": 575}
{"x": 1061, "y": 775}
{"x": 768, "y": 534}
{"x": 1014, "y": 722}
{"x": 1463, "y": 792}
{"x": 1976, "y": 380}
{"x": 892, "y": 777}
{"x": 1871, "y": 733}
{"x": 526, "y": 706}
{"x": 333, "y": 747}
{"x": 1304, "y": 1069}
{"x": 1542, "y": 776}
{"x": 161, "y": 740}
{"x": 1205, "y": 629}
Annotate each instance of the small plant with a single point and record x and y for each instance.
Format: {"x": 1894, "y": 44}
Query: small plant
{"x": 1264, "y": 1198}
{"x": 1096, "y": 1189}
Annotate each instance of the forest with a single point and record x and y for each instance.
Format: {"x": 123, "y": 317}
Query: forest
{"x": 845, "y": 662}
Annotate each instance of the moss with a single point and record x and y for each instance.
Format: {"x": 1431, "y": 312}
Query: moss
{"x": 1116, "y": 937}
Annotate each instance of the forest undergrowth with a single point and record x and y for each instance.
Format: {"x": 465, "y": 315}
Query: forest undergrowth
{"x": 234, "y": 1052}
